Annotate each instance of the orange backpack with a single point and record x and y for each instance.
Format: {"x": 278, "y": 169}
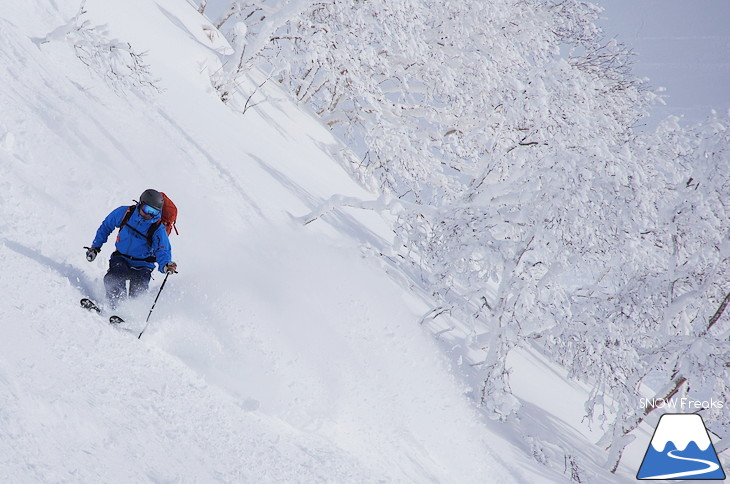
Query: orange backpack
{"x": 169, "y": 214}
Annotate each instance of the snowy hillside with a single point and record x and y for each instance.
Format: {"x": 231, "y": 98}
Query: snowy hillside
{"x": 282, "y": 351}
{"x": 277, "y": 354}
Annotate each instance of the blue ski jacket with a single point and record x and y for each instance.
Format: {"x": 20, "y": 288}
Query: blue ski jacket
{"x": 132, "y": 241}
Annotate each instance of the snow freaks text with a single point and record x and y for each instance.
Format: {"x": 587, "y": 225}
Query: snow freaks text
{"x": 681, "y": 403}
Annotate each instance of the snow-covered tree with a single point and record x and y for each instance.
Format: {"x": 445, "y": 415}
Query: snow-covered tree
{"x": 121, "y": 66}
{"x": 528, "y": 207}
{"x": 674, "y": 307}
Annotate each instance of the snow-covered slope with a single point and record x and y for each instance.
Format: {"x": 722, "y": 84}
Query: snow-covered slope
{"x": 279, "y": 353}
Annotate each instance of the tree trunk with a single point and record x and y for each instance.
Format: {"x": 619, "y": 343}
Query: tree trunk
{"x": 718, "y": 313}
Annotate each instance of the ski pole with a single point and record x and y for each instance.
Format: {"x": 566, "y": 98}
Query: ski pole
{"x": 147, "y": 322}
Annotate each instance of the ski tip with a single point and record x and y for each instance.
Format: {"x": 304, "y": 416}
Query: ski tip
{"x": 87, "y": 303}
{"x": 115, "y": 320}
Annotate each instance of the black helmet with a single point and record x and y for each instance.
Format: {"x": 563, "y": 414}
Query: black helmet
{"x": 151, "y": 197}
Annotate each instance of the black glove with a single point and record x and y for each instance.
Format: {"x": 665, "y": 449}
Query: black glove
{"x": 170, "y": 268}
{"x": 91, "y": 253}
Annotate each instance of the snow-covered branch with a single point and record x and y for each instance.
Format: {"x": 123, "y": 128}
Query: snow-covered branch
{"x": 117, "y": 62}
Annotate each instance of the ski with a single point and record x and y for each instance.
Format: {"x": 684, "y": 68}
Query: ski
{"x": 87, "y": 303}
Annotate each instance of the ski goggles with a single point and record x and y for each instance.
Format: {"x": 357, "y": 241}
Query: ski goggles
{"x": 150, "y": 210}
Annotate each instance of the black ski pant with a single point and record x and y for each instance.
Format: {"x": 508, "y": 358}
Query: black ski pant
{"x": 120, "y": 271}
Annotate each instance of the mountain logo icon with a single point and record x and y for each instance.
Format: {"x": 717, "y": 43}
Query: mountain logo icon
{"x": 680, "y": 449}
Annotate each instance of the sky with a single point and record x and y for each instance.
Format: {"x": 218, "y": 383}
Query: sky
{"x": 681, "y": 45}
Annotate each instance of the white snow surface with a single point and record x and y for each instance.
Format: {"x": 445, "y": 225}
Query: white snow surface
{"x": 279, "y": 353}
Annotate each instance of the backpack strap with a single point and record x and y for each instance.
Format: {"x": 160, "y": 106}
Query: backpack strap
{"x": 148, "y": 259}
{"x": 127, "y": 216}
{"x": 150, "y": 233}
{"x": 169, "y": 227}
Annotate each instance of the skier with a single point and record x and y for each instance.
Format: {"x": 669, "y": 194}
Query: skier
{"x": 141, "y": 241}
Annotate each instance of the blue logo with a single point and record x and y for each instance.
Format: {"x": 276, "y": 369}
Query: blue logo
{"x": 680, "y": 449}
